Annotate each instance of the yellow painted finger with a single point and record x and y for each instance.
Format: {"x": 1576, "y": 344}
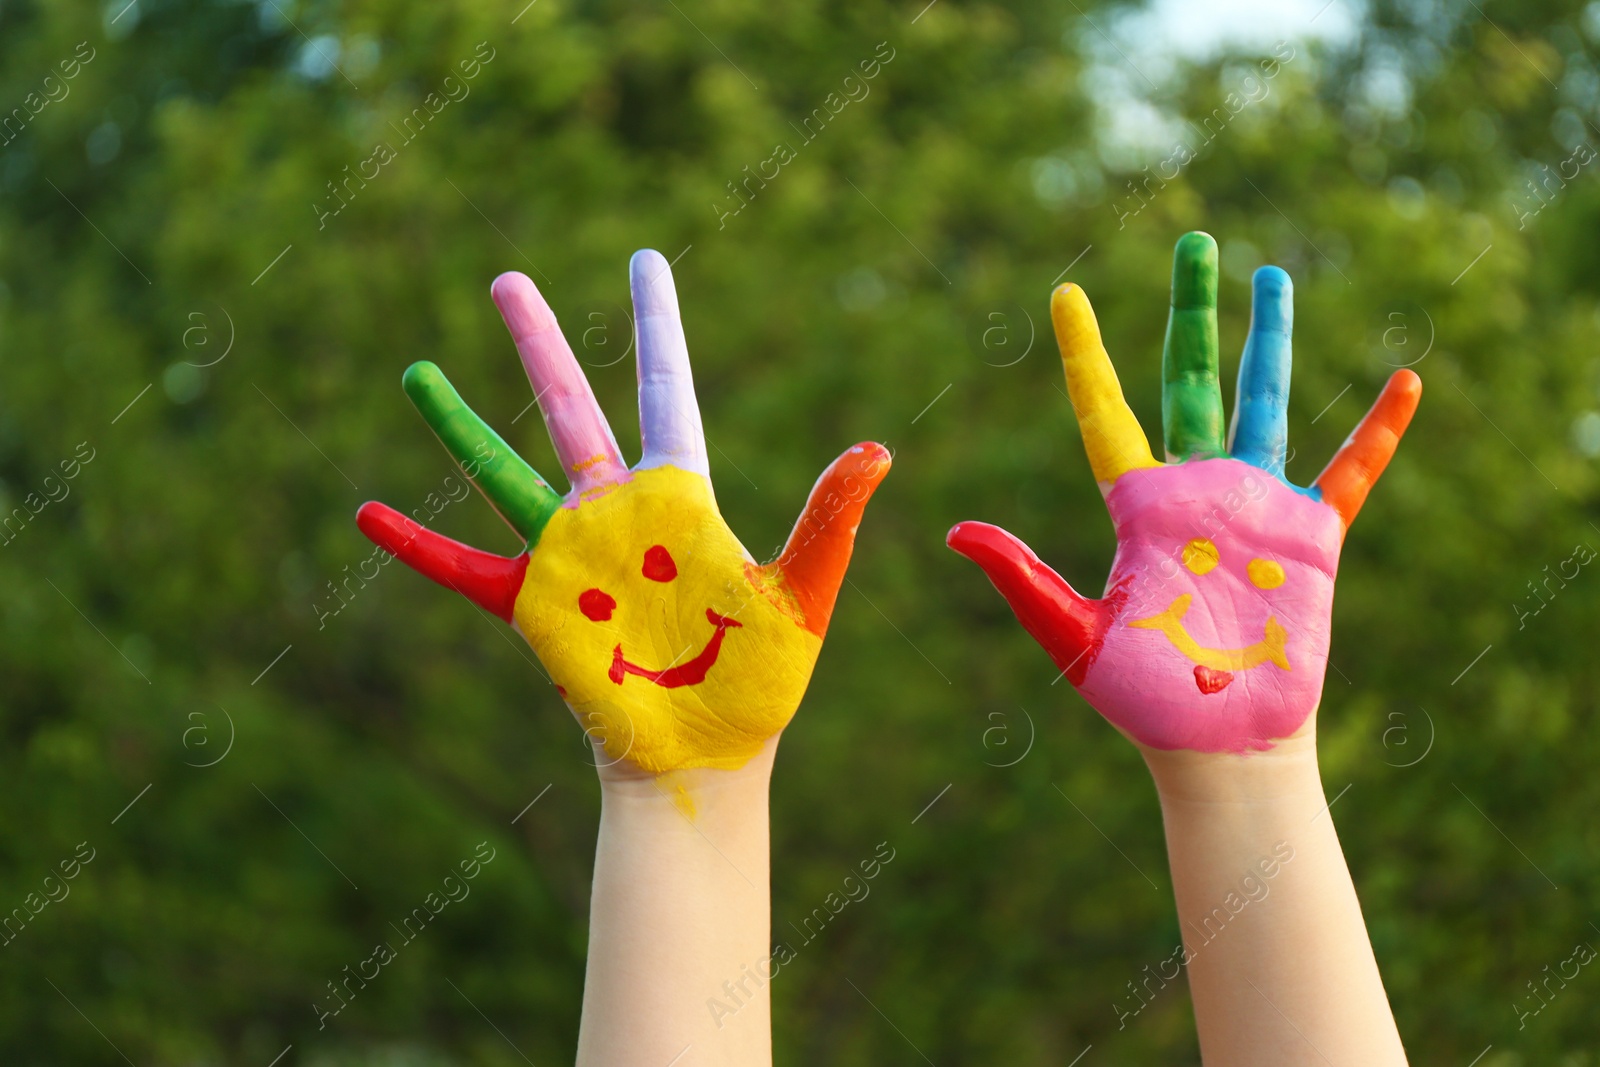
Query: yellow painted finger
{"x": 1111, "y": 434}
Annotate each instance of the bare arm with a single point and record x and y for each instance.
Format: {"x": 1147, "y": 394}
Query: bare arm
{"x": 680, "y": 922}
{"x": 1279, "y": 963}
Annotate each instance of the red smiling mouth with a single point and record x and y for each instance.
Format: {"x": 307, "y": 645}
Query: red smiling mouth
{"x": 691, "y": 673}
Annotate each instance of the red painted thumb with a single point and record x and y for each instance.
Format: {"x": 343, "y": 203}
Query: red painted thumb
{"x": 489, "y": 581}
{"x": 1065, "y": 624}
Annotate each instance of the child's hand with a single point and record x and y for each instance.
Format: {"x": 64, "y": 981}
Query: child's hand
{"x": 673, "y": 647}
{"x": 1212, "y": 635}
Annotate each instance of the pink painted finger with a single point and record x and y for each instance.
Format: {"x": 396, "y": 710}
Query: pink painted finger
{"x": 669, "y": 415}
{"x": 584, "y": 445}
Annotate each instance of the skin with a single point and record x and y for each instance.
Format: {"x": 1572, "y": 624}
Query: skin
{"x": 680, "y": 656}
{"x": 680, "y": 906}
{"x": 1208, "y": 650}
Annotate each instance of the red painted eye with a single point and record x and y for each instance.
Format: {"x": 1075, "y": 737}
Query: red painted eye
{"x": 596, "y": 604}
{"x": 658, "y": 565}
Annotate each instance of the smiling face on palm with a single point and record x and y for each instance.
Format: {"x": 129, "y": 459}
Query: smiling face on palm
{"x": 671, "y": 645}
{"x": 666, "y": 643}
{"x": 1213, "y": 631}
{"x": 1217, "y": 605}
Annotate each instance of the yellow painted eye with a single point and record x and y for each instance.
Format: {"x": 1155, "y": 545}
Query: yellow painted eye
{"x": 1265, "y": 573}
{"x": 1200, "y": 555}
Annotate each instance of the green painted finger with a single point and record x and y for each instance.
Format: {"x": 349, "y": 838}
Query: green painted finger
{"x": 513, "y": 488}
{"x": 1191, "y": 397}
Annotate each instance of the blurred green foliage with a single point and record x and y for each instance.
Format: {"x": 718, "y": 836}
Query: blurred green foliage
{"x": 890, "y": 283}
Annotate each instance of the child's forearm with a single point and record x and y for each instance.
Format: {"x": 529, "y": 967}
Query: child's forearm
{"x": 1280, "y": 966}
{"x": 681, "y": 905}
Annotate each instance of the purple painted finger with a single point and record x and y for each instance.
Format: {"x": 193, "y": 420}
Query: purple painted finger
{"x": 669, "y": 415}
{"x": 584, "y": 445}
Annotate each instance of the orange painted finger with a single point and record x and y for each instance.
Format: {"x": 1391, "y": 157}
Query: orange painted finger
{"x": 1356, "y": 467}
{"x": 813, "y": 561}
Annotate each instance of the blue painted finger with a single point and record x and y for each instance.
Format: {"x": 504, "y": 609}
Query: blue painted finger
{"x": 1260, "y": 432}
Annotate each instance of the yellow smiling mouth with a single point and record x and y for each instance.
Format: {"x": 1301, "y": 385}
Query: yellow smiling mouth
{"x": 1170, "y": 622}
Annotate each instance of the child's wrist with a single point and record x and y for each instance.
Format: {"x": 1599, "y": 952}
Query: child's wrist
{"x": 1286, "y": 772}
{"x": 690, "y": 790}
